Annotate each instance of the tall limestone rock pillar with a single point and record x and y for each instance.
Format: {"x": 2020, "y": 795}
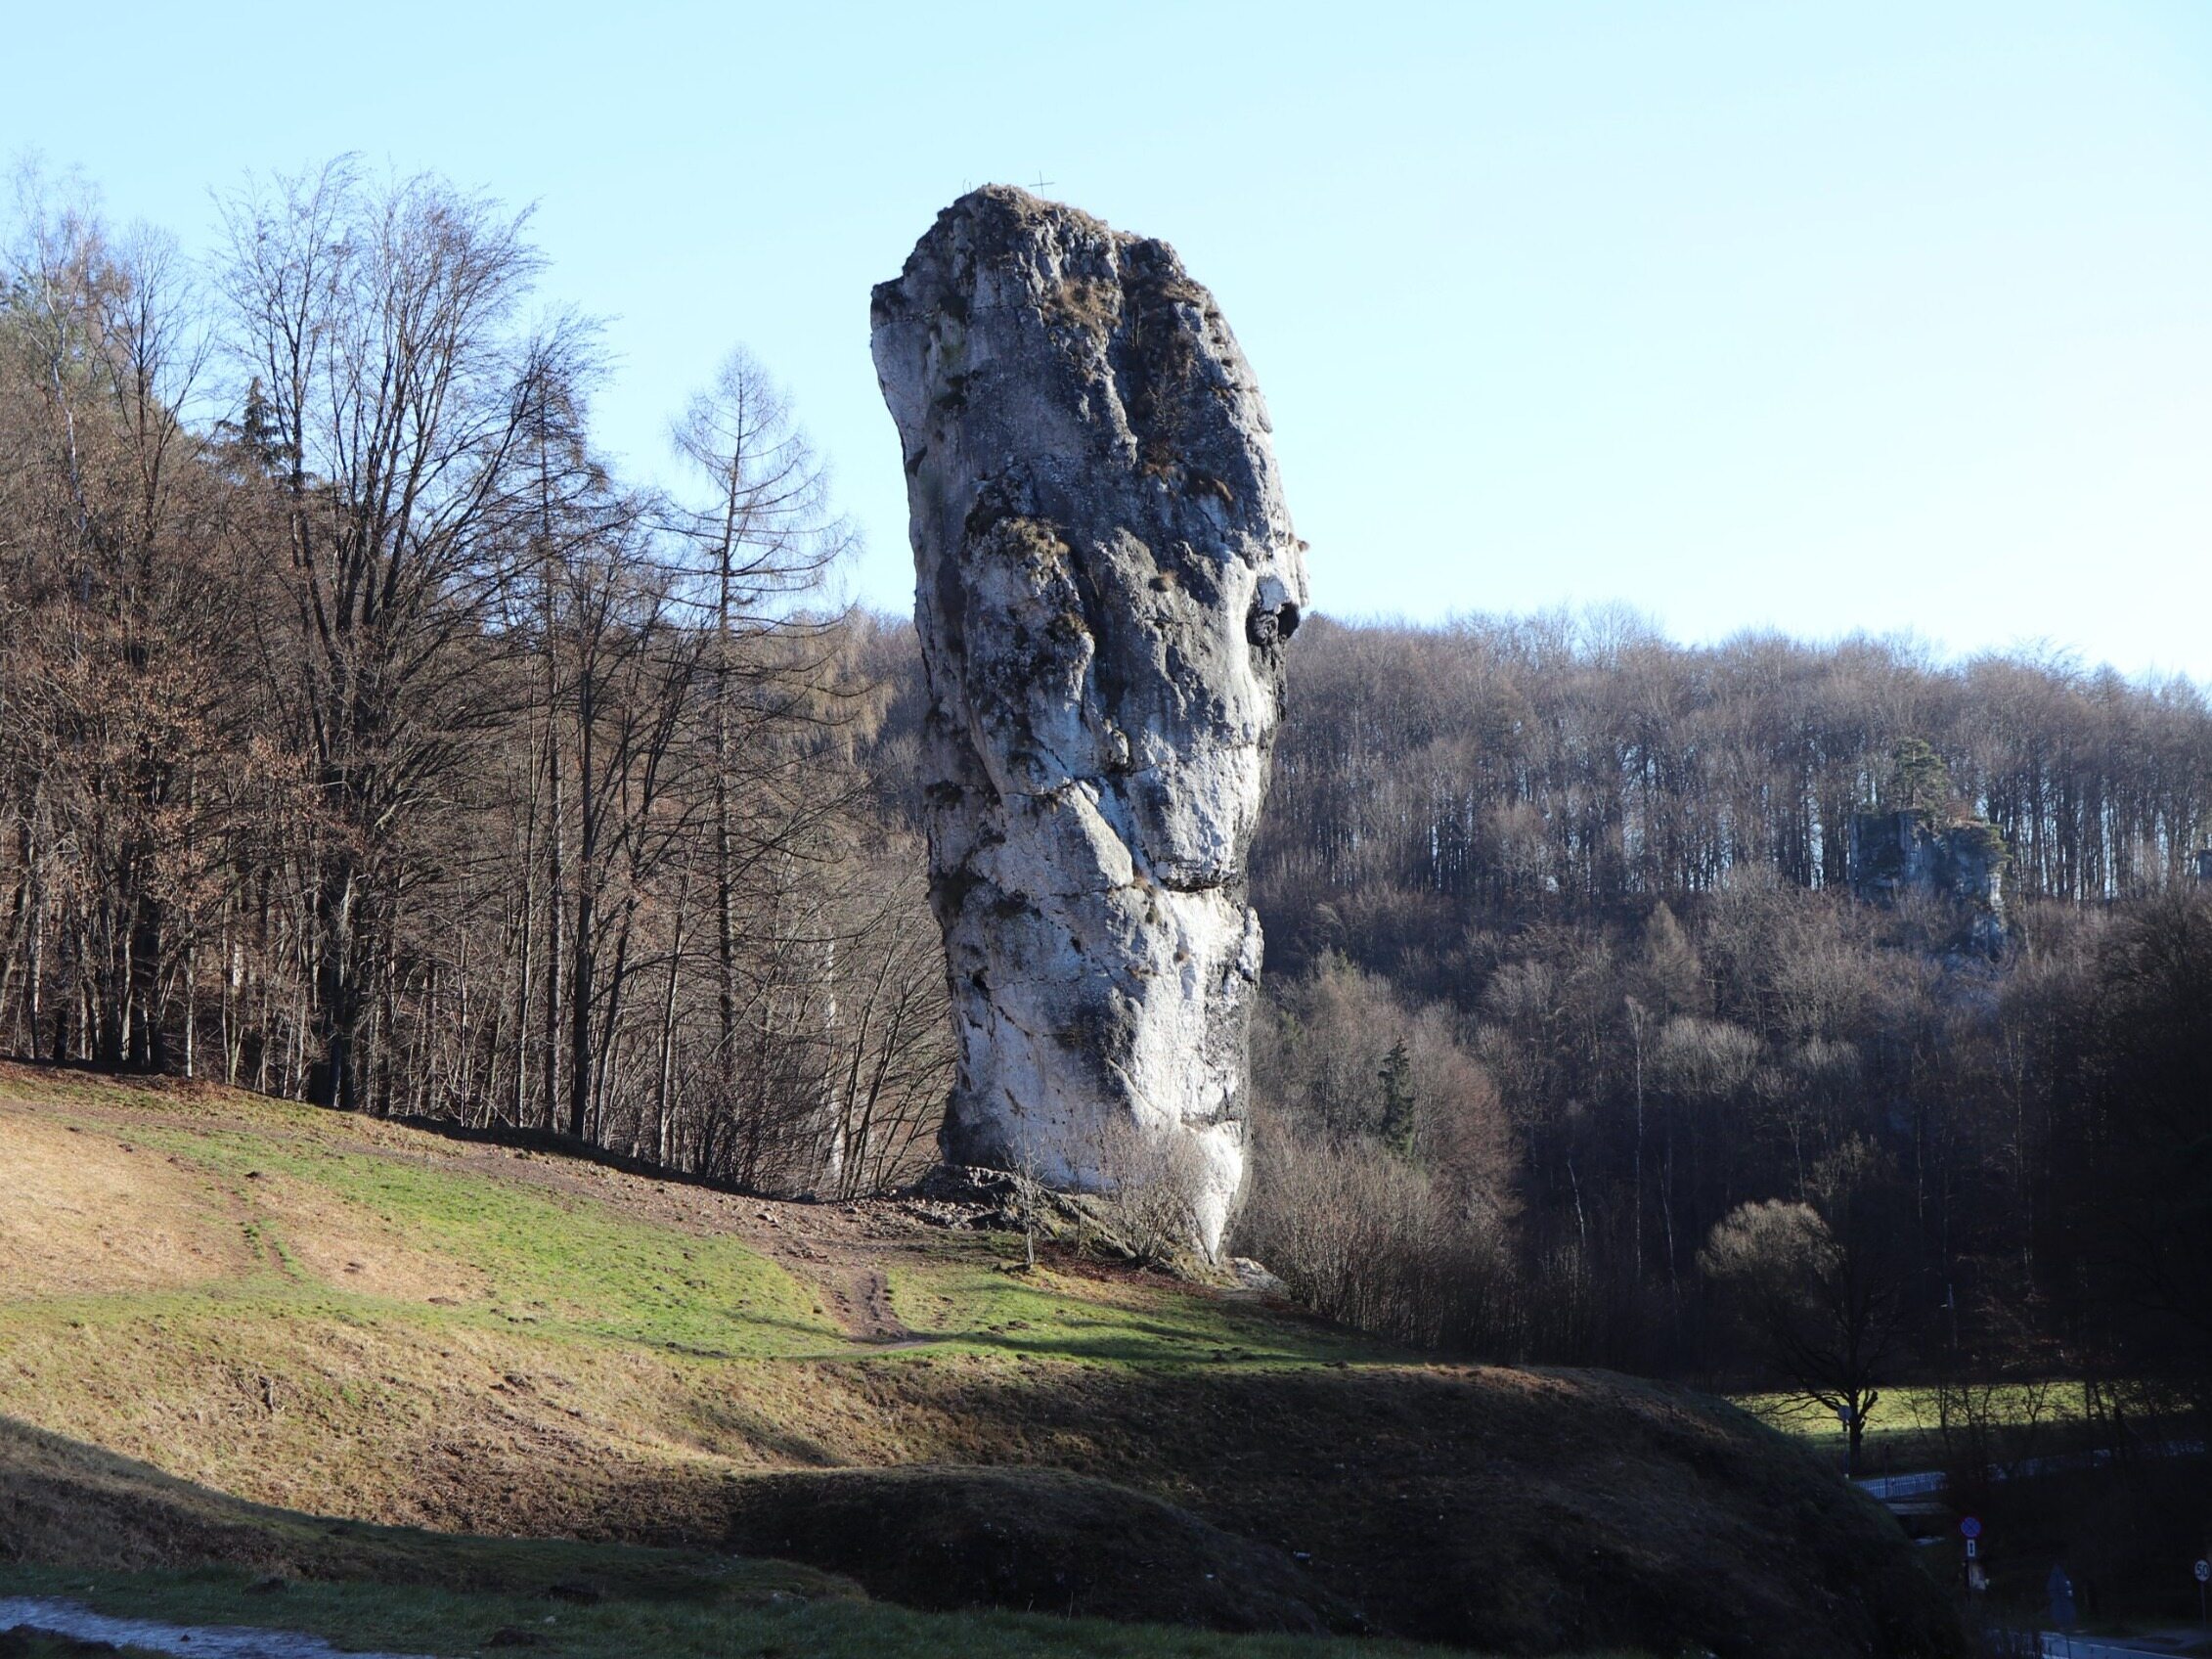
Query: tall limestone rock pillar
{"x": 1106, "y": 580}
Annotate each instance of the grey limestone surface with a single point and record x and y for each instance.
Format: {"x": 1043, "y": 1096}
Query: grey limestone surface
{"x": 1106, "y": 584}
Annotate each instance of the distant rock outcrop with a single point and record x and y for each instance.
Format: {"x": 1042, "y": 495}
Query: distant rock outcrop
{"x": 1105, "y": 582}
{"x": 1960, "y": 865}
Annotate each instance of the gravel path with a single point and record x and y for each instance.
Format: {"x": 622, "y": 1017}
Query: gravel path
{"x": 196, "y": 1641}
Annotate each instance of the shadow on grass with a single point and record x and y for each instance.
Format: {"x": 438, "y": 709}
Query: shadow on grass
{"x": 64, "y": 1503}
{"x": 1132, "y": 1343}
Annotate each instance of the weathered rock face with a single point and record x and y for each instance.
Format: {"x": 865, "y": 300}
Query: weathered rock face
{"x": 1893, "y": 854}
{"x": 1105, "y": 583}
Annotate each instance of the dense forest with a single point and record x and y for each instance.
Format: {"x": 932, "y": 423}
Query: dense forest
{"x": 1567, "y": 967}
{"x": 364, "y": 739}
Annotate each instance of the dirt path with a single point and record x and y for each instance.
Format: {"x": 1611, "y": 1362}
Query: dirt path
{"x": 51, "y": 1616}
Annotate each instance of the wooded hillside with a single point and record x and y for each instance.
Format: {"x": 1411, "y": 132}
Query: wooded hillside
{"x": 363, "y": 740}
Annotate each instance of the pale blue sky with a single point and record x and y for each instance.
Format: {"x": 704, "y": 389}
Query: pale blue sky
{"x": 1817, "y": 317}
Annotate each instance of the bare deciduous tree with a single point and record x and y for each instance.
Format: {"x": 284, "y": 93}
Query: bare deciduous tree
{"x": 382, "y": 322}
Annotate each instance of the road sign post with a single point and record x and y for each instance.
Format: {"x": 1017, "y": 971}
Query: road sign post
{"x": 2204, "y": 1570}
{"x": 1978, "y": 1579}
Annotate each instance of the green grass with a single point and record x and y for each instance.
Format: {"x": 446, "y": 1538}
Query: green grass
{"x": 1904, "y": 1430}
{"x": 702, "y": 1621}
{"x": 986, "y": 1303}
{"x": 568, "y": 1267}
{"x": 567, "y": 1264}
{"x": 598, "y": 1320}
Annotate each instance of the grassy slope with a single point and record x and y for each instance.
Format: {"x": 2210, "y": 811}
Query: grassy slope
{"x": 357, "y": 1319}
{"x": 441, "y": 1593}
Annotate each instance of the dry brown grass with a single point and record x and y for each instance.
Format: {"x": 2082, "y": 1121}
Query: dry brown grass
{"x": 349, "y": 1246}
{"x": 1088, "y": 304}
{"x": 86, "y": 1213}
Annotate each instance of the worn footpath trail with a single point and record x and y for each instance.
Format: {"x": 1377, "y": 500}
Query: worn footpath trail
{"x": 52, "y": 1616}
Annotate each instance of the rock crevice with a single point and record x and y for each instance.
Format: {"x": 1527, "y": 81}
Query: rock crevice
{"x": 1106, "y": 580}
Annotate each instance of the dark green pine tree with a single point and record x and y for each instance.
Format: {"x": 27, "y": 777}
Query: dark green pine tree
{"x": 260, "y": 434}
{"x": 1919, "y": 779}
